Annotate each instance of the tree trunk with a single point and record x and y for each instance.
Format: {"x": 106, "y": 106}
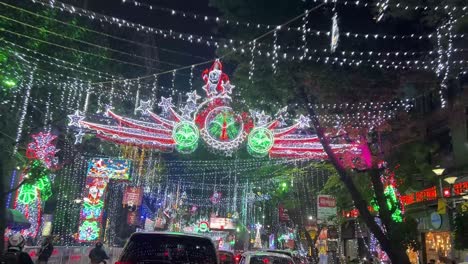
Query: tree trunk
{"x": 396, "y": 253}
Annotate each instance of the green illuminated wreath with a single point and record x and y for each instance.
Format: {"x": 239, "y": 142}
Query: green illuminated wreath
{"x": 186, "y": 135}
{"x": 260, "y": 141}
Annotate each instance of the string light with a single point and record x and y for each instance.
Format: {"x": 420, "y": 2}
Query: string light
{"x": 89, "y": 43}
{"x": 75, "y": 67}
{"x": 137, "y": 97}
{"x": 191, "y": 77}
{"x": 252, "y": 60}
{"x": 160, "y": 49}
{"x": 397, "y": 5}
{"x": 275, "y": 50}
{"x": 335, "y": 33}
{"x": 384, "y": 4}
{"x": 73, "y": 49}
{"x": 305, "y": 21}
{"x": 173, "y": 81}
{"x": 24, "y": 110}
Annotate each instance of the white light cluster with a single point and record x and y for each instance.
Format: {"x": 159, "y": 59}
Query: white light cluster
{"x": 24, "y": 109}
{"x": 252, "y": 59}
{"x": 276, "y": 47}
{"x": 305, "y": 21}
{"x": 398, "y": 5}
{"x": 382, "y": 5}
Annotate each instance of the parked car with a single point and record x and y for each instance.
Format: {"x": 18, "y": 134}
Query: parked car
{"x": 298, "y": 259}
{"x": 226, "y": 257}
{"x": 167, "y": 247}
{"x": 262, "y": 257}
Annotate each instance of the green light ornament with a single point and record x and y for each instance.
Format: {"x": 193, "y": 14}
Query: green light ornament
{"x": 186, "y": 135}
{"x": 260, "y": 141}
{"x": 27, "y": 194}
{"x": 392, "y": 204}
{"x": 203, "y": 227}
{"x": 89, "y": 231}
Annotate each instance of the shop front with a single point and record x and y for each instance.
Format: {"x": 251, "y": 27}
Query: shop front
{"x": 435, "y": 237}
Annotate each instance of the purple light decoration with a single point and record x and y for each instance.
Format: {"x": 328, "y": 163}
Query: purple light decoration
{"x": 12, "y": 183}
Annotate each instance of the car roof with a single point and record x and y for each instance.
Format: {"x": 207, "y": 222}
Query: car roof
{"x": 175, "y": 234}
{"x": 264, "y": 253}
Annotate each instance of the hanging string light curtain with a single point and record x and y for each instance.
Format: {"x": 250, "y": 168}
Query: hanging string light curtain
{"x": 235, "y": 23}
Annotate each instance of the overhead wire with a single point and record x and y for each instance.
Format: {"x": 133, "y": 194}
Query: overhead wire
{"x": 12, "y": 44}
{"x": 76, "y": 50}
{"x": 103, "y": 34}
{"x": 88, "y": 43}
{"x": 225, "y": 54}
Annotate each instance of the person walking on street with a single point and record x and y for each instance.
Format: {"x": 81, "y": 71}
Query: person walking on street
{"x": 46, "y": 251}
{"x": 98, "y": 255}
{"x": 15, "y": 254}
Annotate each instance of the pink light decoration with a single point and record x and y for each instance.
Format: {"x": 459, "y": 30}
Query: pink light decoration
{"x": 43, "y": 148}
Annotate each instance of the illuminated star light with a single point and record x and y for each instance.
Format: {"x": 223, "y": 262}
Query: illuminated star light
{"x": 193, "y": 97}
{"x": 303, "y": 121}
{"x": 79, "y": 137}
{"x": 187, "y": 111}
{"x": 166, "y": 103}
{"x": 76, "y": 118}
{"x": 262, "y": 118}
{"x": 145, "y": 107}
{"x": 281, "y": 122}
{"x": 228, "y": 87}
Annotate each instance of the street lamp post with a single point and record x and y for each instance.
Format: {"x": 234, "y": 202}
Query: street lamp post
{"x": 439, "y": 172}
{"x": 451, "y": 210}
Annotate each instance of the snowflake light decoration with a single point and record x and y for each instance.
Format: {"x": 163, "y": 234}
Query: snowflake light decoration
{"x": 43, "y": 148}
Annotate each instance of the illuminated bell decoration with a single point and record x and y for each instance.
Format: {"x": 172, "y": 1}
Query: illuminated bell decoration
{"x": 186, "y": 135}
{"x": 260, "y": 141}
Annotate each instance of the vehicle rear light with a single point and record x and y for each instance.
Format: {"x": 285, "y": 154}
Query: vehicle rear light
{"x": 266, "y": 260}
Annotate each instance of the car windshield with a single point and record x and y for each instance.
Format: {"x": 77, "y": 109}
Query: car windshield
{"x": 270, "y": 260}
{"x": 171, "y": 249}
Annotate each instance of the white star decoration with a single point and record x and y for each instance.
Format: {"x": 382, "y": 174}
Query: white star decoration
{"x": 193, "y": 97}
{"x": 281, "y": 121}
{"x": 76, "y": 118}
{"x": 145, "y": 107}
{"x": 303, "y": 121}
{"x": 228, "y": 87}
{"x": 187, "y": 112}
{"x": 262, "y": 118}
{"x": 79, "y": 137}
{"x": 166, "y": 103}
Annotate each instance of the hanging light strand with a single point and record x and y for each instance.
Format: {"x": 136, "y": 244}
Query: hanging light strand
{"x": 252, "y": 60}
{"x": 24, "y": 109}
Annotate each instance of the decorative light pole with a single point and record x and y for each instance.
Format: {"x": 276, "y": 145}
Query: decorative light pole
{"x": 258, "y": 239}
